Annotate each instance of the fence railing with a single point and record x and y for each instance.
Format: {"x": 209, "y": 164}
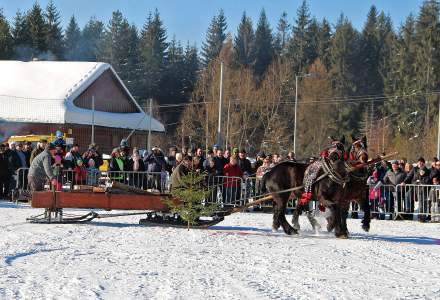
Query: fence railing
{"x": 412, "y": 201}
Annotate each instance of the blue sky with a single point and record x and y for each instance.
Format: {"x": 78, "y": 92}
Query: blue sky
{"x": 189, "y": 19}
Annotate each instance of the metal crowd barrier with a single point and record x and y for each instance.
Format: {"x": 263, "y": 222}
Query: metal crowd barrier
{"x": 411, "y": 201}
{"x": 417, "y": 201}
{"x": 224, "y": 190}
{"x": 68, "y": 179}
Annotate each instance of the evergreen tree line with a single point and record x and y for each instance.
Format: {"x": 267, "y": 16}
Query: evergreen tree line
{"x": 397, "y": 69}
{"x": 382, "y": 82}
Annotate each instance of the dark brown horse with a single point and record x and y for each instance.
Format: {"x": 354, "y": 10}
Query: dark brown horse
{"x": 288, "y": 175}
{"x": 355, "y": 189}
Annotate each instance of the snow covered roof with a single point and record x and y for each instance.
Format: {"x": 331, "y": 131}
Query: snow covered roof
{"x": 43, "y": 92}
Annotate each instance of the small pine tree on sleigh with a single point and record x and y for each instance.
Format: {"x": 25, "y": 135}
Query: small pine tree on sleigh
{"x": 191, "y": 195}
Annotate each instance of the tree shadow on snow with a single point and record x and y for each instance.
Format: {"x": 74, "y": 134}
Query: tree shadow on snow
{"x": 415, "y": 240}
{"x": 8, "y": 204}
{"x": 113, "y": 224}
{"x": 11, "y": 258}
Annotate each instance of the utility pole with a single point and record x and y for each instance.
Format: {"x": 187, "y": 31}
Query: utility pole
{"x": 207, "y": 127}
{"x": 383, "y": 136}
{"x": 149, "y": 127}
{"x": 93, "y": 119}
{"x": 294, "y": 122}
{"x": 227, "y": 125}
{"x": 219, "y": 131}
{"x": 438, "y": 133}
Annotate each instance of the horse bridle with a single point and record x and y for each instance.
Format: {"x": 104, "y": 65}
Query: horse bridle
{"x": 337, "y": 148}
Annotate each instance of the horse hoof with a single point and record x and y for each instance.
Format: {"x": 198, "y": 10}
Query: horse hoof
{"x": 343, "y": 236}
{"x": 317, "y": 227}
{"x": 274, "y": 229}
{"x": 330, "y": 228}
{"x": 366, "y": 228}
{"x": 291, "y": 232}
{"x": 296, "y": 226}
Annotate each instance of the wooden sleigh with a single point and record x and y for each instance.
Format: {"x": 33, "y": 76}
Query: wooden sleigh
{"x": 119, "y": 197}
{"x": 124, "y": 198}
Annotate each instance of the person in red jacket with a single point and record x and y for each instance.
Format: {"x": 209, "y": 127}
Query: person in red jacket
{"x": 232, "y": 183}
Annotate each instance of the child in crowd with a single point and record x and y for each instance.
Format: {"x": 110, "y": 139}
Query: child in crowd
{"x": 80, "y": 172}
{"x": 92, "y": 173}
{"x": 58, "y": 172}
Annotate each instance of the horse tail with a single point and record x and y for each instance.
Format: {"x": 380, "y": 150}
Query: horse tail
{"x": 263, "y": 182}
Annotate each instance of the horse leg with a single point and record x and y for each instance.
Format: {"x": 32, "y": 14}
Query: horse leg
{"x": 344, "y": 216}
{"x": 295, "y": 216}
{"x": 311, "y": 217}
{"x": 281, "y": 214}
{"x": 365, "y": 205}
{"x": 331, "y": 222}
{"x": 276, "y": 223}
{"x": 336, "y": 211}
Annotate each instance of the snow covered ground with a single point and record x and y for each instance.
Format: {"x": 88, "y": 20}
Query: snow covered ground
{"x": 241, "y": 259}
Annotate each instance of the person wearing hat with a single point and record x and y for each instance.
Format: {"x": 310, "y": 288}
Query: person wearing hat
{"x": 201, "y": 158}
{"x": 93, "y": 153}
{"x": 27, "y": 151}
{"x": 244, "y": 163}
{"x": 155, "y": 163}
{"x": 259, "y": 160}
{"x": 420, "y": 174}
{"x": 41, "y": 145}
{"x": 41, "y": 169}
{"x": 395, "y": 177}
{"x": 179, "y": 172}
{"x": 59, "y": 141}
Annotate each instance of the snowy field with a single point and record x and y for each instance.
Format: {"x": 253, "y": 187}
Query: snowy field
{"x": 238, "y": 259}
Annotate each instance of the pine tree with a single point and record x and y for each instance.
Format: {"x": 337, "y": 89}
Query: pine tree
{"x": 54, "y": 35}
{"x": 324, "y": 43}
{"x": 400, "y": 79}
{"x": 72, "y": 40}
{"x": 313, "y": 35}
{"x": 191, "y": 195}
{"x": 427, "y": 39}
{"x": 37, "y": 30}
{"x": 370, "y": 83}
{"x": 134, "y": 70}
{"x": 92, "y": 37}
{"x": 173, "y": 77}
{"x": 300, "y": 42}
{"x": 344, "y": 54}
{"x": 427, "y": 60}
{"x": 153, "y": 48}
{"x": 115, "y": 48}
{"x": 20, "y": 34}
{"x": 6, "y": 41}
{"x": 215, "y": 38}
{"x": 282, "y": 37}
{"x": 244, "y": 42}
{"x": 264, "y": 51}
{"x": 387, "y": 39}
{"x": 191, "y": 67}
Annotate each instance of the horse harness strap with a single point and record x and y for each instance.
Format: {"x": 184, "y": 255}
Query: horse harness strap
{"x": 332, "y": 174}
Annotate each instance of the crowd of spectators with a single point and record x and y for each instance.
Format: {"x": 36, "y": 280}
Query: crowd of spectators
{"x": 388, "y": 187}
{"x": 83, "y": 166}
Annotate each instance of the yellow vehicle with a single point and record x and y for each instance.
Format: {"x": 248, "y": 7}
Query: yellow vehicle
{"x": 35, "y": 138}
{"x": 106, "y": 162}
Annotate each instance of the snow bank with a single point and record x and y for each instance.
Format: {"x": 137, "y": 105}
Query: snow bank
{"x": 238, "y": 259}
